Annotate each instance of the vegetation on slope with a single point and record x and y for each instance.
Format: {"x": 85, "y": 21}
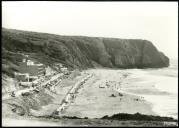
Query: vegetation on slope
{"x": 79, "y": 51}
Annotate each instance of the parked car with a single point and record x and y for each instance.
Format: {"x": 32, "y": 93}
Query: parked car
{"x": 36, "y": 90}
{"x": 13, "y": 94}
{"x": 26, "y": 94}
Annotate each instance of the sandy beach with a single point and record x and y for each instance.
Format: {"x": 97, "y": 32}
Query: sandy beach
{"x": 107, "y": 92}
{"x": 96, "y": 100}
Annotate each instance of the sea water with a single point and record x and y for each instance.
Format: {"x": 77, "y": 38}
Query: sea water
{"x": 157, "y": 86}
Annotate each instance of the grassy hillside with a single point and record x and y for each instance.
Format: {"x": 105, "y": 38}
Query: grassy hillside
{"x": 78, "y": 51}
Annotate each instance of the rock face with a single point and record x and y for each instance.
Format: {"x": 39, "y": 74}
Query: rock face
{"x": 80, "y": 51}
{"x": 130, "y": 53}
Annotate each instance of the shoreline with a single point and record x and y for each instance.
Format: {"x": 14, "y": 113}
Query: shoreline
{"x": 154, "y": 88}
{"x": 95, "y": 101}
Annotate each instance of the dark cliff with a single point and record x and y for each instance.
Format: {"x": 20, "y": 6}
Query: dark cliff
{"x": 83, "y": 52}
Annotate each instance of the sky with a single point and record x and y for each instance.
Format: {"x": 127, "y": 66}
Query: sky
{"x": 153, "y": 21}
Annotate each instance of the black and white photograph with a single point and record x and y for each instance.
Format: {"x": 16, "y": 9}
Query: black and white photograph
{"x": 84, "y": 63}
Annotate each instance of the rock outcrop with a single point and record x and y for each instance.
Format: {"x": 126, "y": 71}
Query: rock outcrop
{"x": 81, "y": 51}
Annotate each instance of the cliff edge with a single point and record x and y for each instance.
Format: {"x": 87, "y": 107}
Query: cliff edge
{"x": 81, "y": 51}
